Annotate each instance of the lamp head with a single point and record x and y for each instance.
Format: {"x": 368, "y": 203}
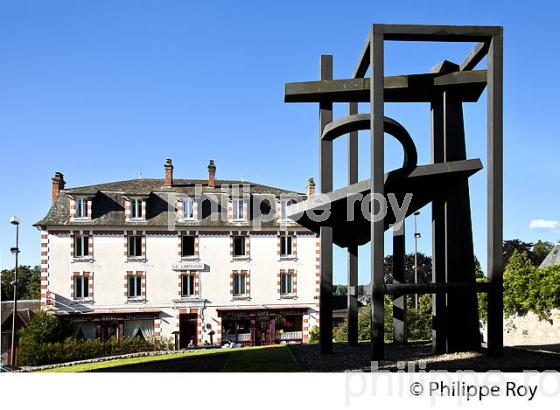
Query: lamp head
{"x": 14, "y": 220}
{"x": 417, "y": 213}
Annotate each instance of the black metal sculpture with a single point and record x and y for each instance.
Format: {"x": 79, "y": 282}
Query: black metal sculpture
{"x": 443, "y": 183}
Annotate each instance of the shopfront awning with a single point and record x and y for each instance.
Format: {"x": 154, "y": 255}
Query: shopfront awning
{"x": 262, "y": 310}
{"x": 112, "y": 314}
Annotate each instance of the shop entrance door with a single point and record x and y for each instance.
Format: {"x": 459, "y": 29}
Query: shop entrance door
{"x": 187, "y": 329}
{"x": 109, "y": 329}
{"x": 262, "y": 332}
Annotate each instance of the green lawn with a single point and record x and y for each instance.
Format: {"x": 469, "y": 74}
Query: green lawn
{"x": 264, "y": 359}
{"x": 247, "y": 359}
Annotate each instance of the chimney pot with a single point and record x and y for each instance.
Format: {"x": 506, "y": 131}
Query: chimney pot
{"x": 57, "y": 185}
{"x": 168, "y": 172}
{"x": 211, "y": 174}
{"x": 310, "y": 187}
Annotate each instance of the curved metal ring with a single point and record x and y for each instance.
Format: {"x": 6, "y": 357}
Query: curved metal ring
{"x": 359, "y": 122}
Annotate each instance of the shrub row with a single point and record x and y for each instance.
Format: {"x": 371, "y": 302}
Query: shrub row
{"x": 45, "y": 341}
{"x": 69, "y": 350}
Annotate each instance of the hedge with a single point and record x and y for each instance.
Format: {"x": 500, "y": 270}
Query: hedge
{"x": 46, "y": 341}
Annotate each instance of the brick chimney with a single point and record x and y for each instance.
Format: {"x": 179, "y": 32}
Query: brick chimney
{"x": 310, "y": 187}
{"x": 211, "y": 174}
{"x": 57, "y": 185}
{"x": 168, "y": 172}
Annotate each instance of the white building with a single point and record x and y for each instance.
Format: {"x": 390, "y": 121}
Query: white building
{"x": 210, "y": 260}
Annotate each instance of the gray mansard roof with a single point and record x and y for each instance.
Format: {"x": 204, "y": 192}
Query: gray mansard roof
{"x": 108, "y": 203}
{"x": 553, "y": 258}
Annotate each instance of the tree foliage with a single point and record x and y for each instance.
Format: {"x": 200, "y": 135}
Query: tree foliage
{"x": 541, "y": 249}
{"x": 314, "y": 335}
{"x": 29, "y": 283}
{"x": 528, "y": 288}
{"x": 424, "y": 268}
{"x": 419, "y": 322}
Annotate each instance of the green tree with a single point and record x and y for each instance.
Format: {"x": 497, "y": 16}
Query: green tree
{"x": 340, "y": 332}
{"x": 314, "y": 334}
{"x": 29, "y": 283}
{"x": 43, "y": 330}
{"x": 478, "y": 269}
{"x": 424, "y": 268}
{"x": 530, "y": 289}
{"x": 512, "y": 245}
{"x": 482, "y": 302}
{"x": 541, "y": 249}
{"x": 419, "y": 322}
{"x": 340, "y": 290}
{"x": 364, "y": 323}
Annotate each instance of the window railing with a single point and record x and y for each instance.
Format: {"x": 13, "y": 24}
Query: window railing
{"x": 240, "y": 337}
{"x": 289, "y": 336}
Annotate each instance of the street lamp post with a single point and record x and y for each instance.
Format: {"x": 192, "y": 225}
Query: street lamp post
{"x": 416, "y": 237}
{"x": 14, "y": 221}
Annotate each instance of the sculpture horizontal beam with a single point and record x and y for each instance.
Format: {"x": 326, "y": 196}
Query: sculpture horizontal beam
{"x": 424, "y": 182}
{"x": 435, "y": 288}
{"x": 400, "y": 88}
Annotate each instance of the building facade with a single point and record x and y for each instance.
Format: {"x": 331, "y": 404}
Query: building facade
{"x": 207, "y": 260}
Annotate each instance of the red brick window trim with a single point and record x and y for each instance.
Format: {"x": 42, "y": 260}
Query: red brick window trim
{"x": 284, "y": 204}
{"x": 81, "y": 287}
{"x": 189, "y": 284}
{"x": 240, "y": 245}
{"x": 287, "y": 283}
{"x": 134, "y": 209}
{"x": 187, "y": 209}
{"x": 287, "y": 245}
{"x": 80, "y": 208}
{"x": 135, "y": 285}
{"x": 81, "y": 245}
{"x": 134, "y": 245}
{"x": 188, "y": 246}
{"x": 240, "y": 284}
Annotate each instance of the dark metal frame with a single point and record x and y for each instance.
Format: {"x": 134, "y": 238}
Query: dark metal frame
{"x": 468, "y": 84}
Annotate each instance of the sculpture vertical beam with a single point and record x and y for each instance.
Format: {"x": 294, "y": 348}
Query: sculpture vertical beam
{"x": 377, "y": 191}
{"x": 495, "y": 194}
{"x": 439, "y": 302}
{"x": 326, "y": 233}
{"x": 399, "y": 303}
{"x": 353, "y": 250}
{"x": 462, "y": 335}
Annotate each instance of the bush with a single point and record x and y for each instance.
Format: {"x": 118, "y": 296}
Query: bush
{"x": 419, "y": 322}
{"x": 45, "y": 341}
{"x": 314, "y": 335}
{"x": 70, "y": 349}
{"x": 340, "y": 333}
{"x": 530, "y": 289}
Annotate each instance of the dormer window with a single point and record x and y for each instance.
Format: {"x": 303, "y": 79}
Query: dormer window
{"x": 136, "y": 208}
{"x": 81, "y": 207}
{"x": 188, "y": 209}
{"x": 238, "y": 210}
{"x": 284, "y": 209}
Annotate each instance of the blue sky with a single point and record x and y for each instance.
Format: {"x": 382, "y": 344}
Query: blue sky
{"x": 104, "y": 90}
